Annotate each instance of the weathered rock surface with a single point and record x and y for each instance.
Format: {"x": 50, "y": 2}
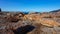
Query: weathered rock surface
{"x": 10, "y": 22}
{"x": 45, "y": 23}
{"x": 19, "y": 23}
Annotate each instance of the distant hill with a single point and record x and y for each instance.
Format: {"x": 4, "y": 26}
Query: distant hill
{"x": 25, "y": 12}
{"x": 55, "y": 10}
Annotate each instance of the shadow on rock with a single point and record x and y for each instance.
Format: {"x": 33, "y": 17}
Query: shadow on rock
{"x": 24, "y": 30}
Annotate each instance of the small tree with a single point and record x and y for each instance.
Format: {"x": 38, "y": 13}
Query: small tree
{"x": 0, "y": 9}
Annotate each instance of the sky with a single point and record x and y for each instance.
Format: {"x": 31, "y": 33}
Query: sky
{"x": 30, "y": 5}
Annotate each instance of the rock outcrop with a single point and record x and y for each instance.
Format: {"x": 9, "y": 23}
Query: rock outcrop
{"x": 19, "y": 23}
{"x": 11, "y": 22}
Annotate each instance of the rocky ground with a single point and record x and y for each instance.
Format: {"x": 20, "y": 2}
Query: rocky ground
{"x": 32, "y": 23}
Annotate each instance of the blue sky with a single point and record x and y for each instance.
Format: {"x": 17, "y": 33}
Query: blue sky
{"x": 29, "y": 5}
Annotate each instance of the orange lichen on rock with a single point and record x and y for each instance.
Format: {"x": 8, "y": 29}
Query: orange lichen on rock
{"x": 43, "y": 21}
{"x": 49, "y": 22}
